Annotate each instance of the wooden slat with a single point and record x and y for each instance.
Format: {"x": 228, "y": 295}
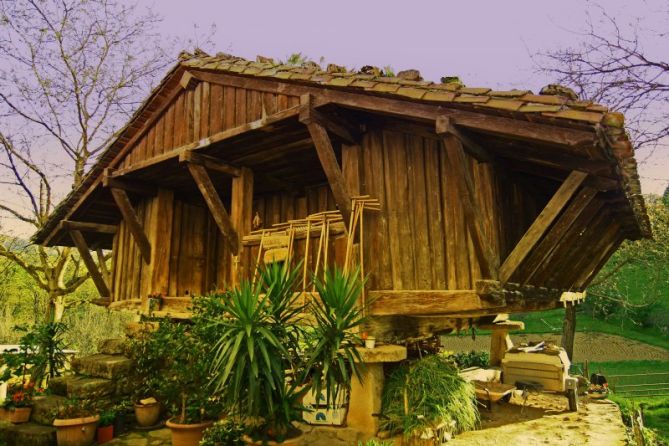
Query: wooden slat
{"x": 541, "y": 224}
{"x": 161, "y": 235}
{"x": 132, "y": 221}
{"x": 215, "y": 205}
{"x": 458, "y": 168}
{"x": 85, "y": 253}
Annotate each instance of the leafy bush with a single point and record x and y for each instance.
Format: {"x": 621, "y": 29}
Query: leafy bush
{"x": 471, "y": 358}
{"x": 227, "y": 432}
{"x": 375, "y": 443}
{"x": 425, "y": 394}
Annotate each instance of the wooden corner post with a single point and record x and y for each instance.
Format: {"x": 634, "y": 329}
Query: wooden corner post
{"x": 241, "y": 211}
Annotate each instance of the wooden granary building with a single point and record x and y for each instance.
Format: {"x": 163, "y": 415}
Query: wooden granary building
{"x": 459, "y": 203}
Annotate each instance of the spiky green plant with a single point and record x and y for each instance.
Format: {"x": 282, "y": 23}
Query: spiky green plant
{"x": 333, "y": 357}
{"x": 425, "y": 394}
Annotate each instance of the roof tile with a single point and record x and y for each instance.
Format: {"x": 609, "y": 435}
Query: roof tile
{"x": 544, "y": 99}
{"x": 442, "y": 96}
{"x": 468, "y": 98}
{"x": 415, "y": 93}
{"x": 540, "y": 108}
{"x": 386, "y": 88}
{"x": 363, "y": 83}
{"x": 504, "y": 104}
{"x": 475, "y": 91}
{"x": 340, "y": 81}
{"x": 509, "y": 93}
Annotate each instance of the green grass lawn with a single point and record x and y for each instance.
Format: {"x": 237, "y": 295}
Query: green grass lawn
{"x": 551, "y": 322}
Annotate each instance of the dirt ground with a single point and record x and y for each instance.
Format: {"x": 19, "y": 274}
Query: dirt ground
{"x": 591, "y": 346}
{"x": 544, "y": 420}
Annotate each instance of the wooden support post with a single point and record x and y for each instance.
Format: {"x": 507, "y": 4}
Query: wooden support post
{"x": 569, "y": 329}
{"x": 134, "y": 225}
{"x": 541, "y": 224}
{"x": 160, "y": 236}
{"x": 457, "y": 166}
{"x": 216, "y": 207}
{"x": 241, "y": 210}
{"x": 85, "y": 253}
{"x": 328, "y": 159}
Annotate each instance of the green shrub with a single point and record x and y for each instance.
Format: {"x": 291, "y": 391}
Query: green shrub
{"x": 471, "y": 358}
{"x": 223, "y": 433}
{"x": 425, "y": 394}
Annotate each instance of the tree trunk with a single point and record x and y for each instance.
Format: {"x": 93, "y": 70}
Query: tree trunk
{"x": 56, "y": 308}
{"x": 569, "y": 329}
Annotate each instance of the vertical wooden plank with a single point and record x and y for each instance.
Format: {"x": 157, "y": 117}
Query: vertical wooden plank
{"x": 197, "y": 239}
{"x": 179, "y": 121}
{"x": 189, "y": 105}
{"x": 352, "y": 168}
{"x": 216, "y": 123}
{"x": 269, "y": 103}
{"x": 229, "y": 107}
{"x": 168, "y": 129}
{"x": 133, "y": 221}
{"x": 281, "y": 102}
{"x": 434, "y": 215}
{"x": 175, "y": 251}
{"x": 423, "y": 262}
{"x": 205, "y": 103}
{"x": 159, "y": 235}
{"x": 240, "y": 106}
{"x": 150, "y": 138}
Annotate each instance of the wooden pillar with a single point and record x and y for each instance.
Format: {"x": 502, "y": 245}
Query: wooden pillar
{"x": 160, "y": 237}
{"x": 241, "y": 215}
{"x": 500, "y": 342}
{"x": 569, "y": 329}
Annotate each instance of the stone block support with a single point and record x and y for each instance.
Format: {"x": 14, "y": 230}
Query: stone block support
{"x": 365, "y": 399}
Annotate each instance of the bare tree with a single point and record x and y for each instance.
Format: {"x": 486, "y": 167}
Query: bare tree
{"x": 615, "y": 66}
{"x": 71, "y": 72}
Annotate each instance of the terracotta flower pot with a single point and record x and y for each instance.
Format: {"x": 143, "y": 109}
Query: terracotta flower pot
{"x": 147, "y": 414}
{"x": 20, "y": 415}
{"x": 104, "y": 434}
{"x": 187, "y": 434}
{"x": 76, "y": 431}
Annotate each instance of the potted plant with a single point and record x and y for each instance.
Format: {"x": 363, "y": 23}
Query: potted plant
{"x": 147, "y": 350}
{"x": 182, "y": 386}
{"x": 75, "y": 423}
{"x": 267, "y": 357}
{"x": 121, "y": 410}
{"x": 105, "y": 431}
{"x": 19, "y": 403}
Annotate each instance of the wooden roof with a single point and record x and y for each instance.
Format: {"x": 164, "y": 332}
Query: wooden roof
{"x": 555, "y": 106}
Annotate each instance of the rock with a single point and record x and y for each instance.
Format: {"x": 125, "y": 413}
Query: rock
{"x": 74, "y": 386}
{"x": 410, "y": 75}
{"x": 45, "y": 409}
{"x": 102, "y": 366}
{"x": 118, "y": 346}
{"x": 27, "y": 434}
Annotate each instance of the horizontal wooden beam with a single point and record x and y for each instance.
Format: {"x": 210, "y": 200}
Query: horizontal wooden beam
{"x": 209, "y": 162}
{"x": 100, "y": 228}
{"x": 430, "y": 302}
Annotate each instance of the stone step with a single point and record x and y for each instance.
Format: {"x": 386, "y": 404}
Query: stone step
{"x": 27, "y": 434}
{"x": 117, "y": 346}
{"x": 78, "y": 386}
{"x": 102, "y": 366}
{"x": 45, "y": 409}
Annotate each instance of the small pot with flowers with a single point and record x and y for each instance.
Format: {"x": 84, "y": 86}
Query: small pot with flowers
{"x": 19, "y": 403}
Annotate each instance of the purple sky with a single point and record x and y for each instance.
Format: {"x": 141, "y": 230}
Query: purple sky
{"x": 486, "y": 43}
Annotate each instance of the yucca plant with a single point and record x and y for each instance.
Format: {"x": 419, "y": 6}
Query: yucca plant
{"x": 333, "y": 358}
{"x": 264, "y": 361}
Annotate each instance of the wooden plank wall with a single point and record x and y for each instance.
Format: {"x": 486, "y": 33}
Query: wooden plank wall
{"x": 202, "y": 111}
{"x": 419, "y": 240}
